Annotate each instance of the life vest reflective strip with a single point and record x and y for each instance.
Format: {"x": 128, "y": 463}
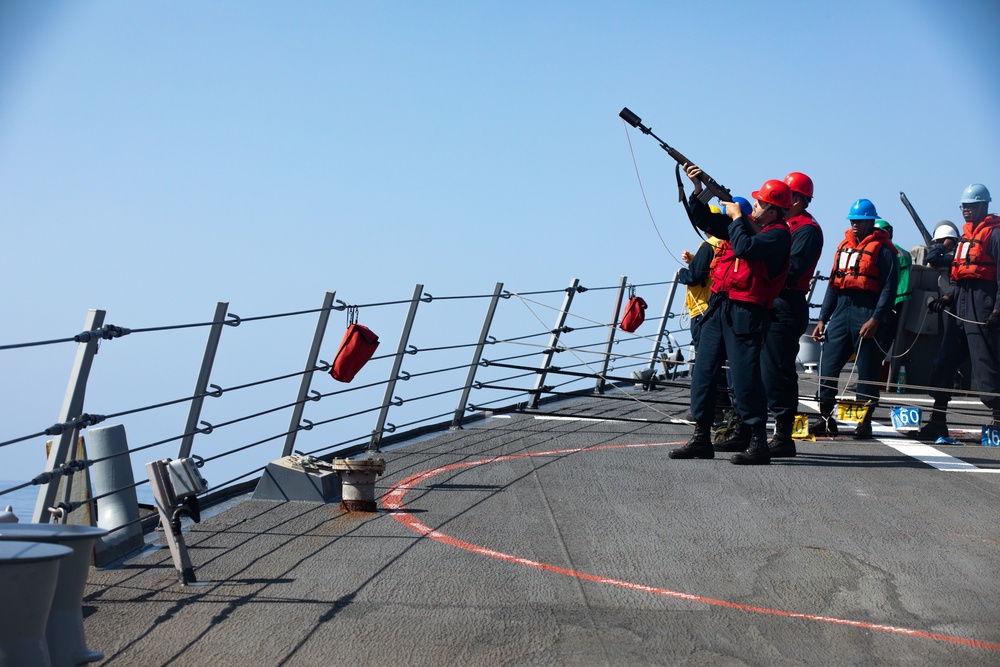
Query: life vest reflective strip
{"x": 697, "y": 296}
{"x": 855, "y": 266}
{"x": 972, "y": 257}
{"x": 747, "y": 279}
{"x": 794, "y": 224}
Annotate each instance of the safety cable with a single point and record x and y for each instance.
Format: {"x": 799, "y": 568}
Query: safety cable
{"x": 644, "y": 199}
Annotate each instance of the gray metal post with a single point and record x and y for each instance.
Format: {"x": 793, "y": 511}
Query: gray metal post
{"x": 404, "y": 339}
{"x": 456, "y": 422}
{"x": 663, "y": 323}
{"x": 71, "y": 409}
{"x": 612, "y": 330}
{"x": 553, "y": 343}
{"x": 293, "y": 426}
{"x": 119, "y": 511}
{"x": 194, "y": 414}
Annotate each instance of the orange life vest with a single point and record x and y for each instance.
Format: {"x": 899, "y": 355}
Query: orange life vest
{"x": 855, "y": 266}
{"x": 747, "y": 279}
{"x": 972, "y": 256}
{"x": 798, "y": 222}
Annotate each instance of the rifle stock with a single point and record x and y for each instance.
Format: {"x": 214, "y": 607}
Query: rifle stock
{"x": 711, "y": 185}
{"x": 928, "y": 239}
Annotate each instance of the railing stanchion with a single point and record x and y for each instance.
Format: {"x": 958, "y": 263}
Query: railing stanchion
{"x": 612, "y": 330}
{"x": 293, "y": 425}
{"x": 390, "y": 388}
{"x": 71, "y": 409}
{"x": 456, "y": 422}
{"x": 663, "y": 323}
{"x": 194, "y": 414}
{"x": 553, "y": 342}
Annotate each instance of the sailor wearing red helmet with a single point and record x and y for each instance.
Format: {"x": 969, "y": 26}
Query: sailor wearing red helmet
{"x": 859, "y": 298}
{"x": 790, "y": 317}
{"x": 751, "y": 270}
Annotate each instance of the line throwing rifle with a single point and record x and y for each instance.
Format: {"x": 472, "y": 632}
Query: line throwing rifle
{"x": 712, "y": 187}
{"x": 928, "y": 239}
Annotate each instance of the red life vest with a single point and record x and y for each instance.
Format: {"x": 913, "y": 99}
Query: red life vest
{"x": 747, "y": 279}
{"x": 855, "y": 266}
{"x": 972, "y": 256}
{"x": 796, "y": 223}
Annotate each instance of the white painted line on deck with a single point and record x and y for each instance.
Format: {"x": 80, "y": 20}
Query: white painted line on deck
{"x": 933, "y": 457}
{"x": 685, "y": 422}
{"x": 923, "y": 452}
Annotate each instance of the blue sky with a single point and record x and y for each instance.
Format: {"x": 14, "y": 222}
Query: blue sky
{"x": 158, "y": 157}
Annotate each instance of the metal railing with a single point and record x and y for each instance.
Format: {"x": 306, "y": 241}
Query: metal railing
{"x": 456, "y": 359}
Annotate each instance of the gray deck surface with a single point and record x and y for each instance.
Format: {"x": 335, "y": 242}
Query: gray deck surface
{"x": 852, "y": 553}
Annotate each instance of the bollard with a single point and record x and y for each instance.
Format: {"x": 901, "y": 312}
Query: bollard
{"x": 358, "y": 482}
{"x": 64, "y": 629}
{"x": 28, "y": 575}
{"x": 8, "y": 516}
{"x": 113, "y": 475}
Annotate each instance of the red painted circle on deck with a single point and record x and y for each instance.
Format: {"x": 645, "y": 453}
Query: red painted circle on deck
{"x": 393, "y": 501}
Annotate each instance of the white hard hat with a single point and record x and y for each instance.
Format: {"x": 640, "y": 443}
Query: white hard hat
{"x": 945, "y": 230}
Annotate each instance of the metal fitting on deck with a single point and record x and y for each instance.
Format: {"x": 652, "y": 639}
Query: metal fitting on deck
{"x": 357, "y": 477}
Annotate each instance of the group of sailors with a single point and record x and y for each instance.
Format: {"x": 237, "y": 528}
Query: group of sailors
{"x": 755, "y": 270}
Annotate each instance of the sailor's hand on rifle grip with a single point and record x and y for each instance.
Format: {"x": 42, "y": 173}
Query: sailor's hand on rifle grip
{"x": 693, "y": 172}
{"x": 733, "y": 210}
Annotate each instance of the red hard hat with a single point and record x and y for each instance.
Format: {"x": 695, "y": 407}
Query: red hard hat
{"x": 774, "y": 192}
{"x": 800, "y": 183}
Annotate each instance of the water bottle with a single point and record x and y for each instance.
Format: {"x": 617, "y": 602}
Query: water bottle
{"x": 901, "y": 381}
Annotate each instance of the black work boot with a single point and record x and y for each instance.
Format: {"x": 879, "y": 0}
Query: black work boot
{"x": 863, "y": 431}
{"x": 937, "y": 427}
{"x": 782, "y": 444}
{"x": 825, "y": 424}
{"x": 698, "y": 447}
{"x": 932, "y": 430}
{"x": 737, "y": 441}
{"x": 757, "y": 454}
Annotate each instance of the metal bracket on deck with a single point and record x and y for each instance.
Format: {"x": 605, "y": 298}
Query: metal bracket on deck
{"x": 175, "y": 486}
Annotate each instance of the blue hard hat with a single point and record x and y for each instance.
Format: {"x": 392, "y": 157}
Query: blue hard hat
{"x": 863, "y": 209}
{"x": 975, "y": 194}
{"x": 745, "y": 205}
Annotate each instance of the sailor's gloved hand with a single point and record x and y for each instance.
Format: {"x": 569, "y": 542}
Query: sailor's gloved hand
{"x": 993, "y": 321}
{"x": 938, "y": 304}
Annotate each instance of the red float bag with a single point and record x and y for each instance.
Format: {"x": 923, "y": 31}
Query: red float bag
{"x": 635, "y": 314}
{"x": 356, "y": 349}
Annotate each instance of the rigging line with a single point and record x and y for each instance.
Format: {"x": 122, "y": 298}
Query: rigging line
{"x": 915, "y": 339}
{"x": 644, "y": 199}
{"x": 579, "y": 317}
{"x": 962, "y": 319}
{"x": 593, "y": 372}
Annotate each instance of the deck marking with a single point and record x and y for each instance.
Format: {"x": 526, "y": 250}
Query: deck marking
{"x": 393, "y": 501}
{"x": 920, "y": 451}
{"x": 683, "y": 422}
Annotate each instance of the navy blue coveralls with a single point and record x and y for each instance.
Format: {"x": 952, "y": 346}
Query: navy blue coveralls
{"x": 972, "y": 299}
{"x": 735, "y": 329}
{"x": 697, "y": 273}
{"x": 844, "y": 311}
{"x": 790, "y": 320}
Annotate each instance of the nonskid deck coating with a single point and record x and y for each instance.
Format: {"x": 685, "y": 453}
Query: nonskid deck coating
{"x": 851, "y": 553}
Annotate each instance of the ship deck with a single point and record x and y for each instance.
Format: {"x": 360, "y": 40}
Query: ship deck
{"x": 568, "y": 537}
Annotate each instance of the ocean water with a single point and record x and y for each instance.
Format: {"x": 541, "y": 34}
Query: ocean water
{"x": 23, "y": 500}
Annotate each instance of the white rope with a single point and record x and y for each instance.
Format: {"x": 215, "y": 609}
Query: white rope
{"x": 584, "y": 363}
